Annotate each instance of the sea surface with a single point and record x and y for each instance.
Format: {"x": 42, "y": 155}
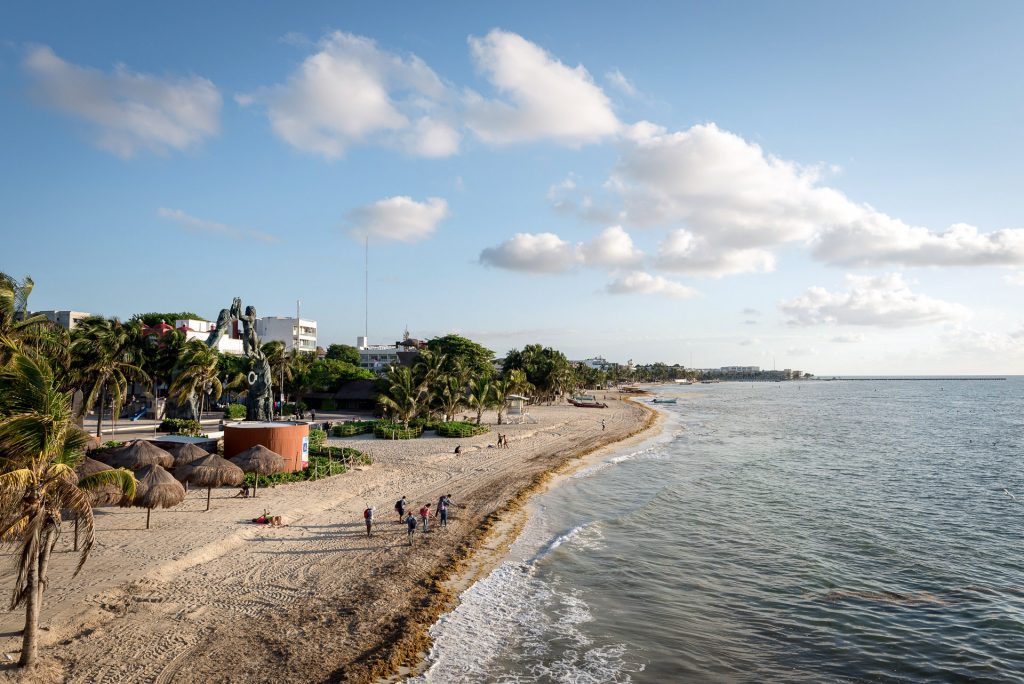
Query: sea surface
{"x": 810, "y": 531}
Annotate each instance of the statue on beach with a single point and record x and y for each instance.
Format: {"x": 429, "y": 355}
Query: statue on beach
{"x": 259, "y": 400}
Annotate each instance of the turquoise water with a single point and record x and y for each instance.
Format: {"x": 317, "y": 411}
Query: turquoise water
{"x": 784, "y": 532}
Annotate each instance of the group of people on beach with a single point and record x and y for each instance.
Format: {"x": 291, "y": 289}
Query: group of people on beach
{"x": 405, "y": 515}
{"x": 502, "y": 441}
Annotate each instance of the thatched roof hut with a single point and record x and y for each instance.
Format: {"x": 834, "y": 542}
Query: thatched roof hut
{"x": 138, "y": 454}
{"x": 104, "y": 495}
{"x": 211, "y": 471}
{"x": 156, "y": 488}
{"x": 260, "y": 460}
{"x": 184, "y": 454}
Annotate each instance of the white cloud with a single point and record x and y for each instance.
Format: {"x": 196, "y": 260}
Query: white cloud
{"x": 966, "y": 340}
{"x": 533, "y": 253}
{"x": 801, "y": 351}
{"x": 351, "y": 92}
{"x": 613, "y": 247}
{"x": 545, "y": 99}
{"x": 849, "y": 339}
{"x": 131, "y": 112}
{"x": 617, "y": 79}
{"x": 884, "y": 301}
{"x": 198, "y": 226}
{"x": 750, "y": 311}
{"x": 684, "y": 252}
{"x": 639, "y": 282}
{"x": 729, "y": 194}
{"x": 398, "y": 218}
{"x": 876, "y": 239}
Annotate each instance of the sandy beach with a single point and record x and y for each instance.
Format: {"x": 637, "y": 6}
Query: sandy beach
{"x": 210, "y": 597}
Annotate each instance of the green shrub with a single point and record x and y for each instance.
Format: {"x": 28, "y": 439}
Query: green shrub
{"x": 182, "y": 426}
{"x": 385, "y": 429}
{"x": 290, "y": 409}
{"x": 328, "y": 461}
{"x": 328, "y": 405}
{"x": 317, "y": 439}
{"x": 460, "y": 429}
{"x": 424, "y": 423}
{"x": 235, "y": 412}
{"x": 359, "y": 427}
{"x": 111, "y": 444}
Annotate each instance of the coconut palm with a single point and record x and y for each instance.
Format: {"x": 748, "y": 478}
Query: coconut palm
{"x": 200, "y": 366}
{"x": 106, "y": 357}
{"x": 403, "y": 395}
{"x": 17, "y": 328}
{"x": 451, "y": 394}
{"x": 500, "y": 391}
{"x": 39, "y": 447}
{"x": 480, "y": 396}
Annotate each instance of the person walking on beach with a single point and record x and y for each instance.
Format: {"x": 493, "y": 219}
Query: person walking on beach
{"x": 425, "y": 517}
{"x": 410, "y": 523}
{"x": 368, "y": 517}
{"x": 442, "y": 510}
{"x": 400, "y": 508}
{"x": 602, "y": 425}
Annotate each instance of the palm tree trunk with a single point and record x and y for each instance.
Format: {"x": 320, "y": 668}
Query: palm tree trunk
{"x": 208, "y": 490}
{"x": 49, "y": 539}
{"x": 148, "y": 511}
{"x": 30, "y": 635}
{"x": 99, "y": 412}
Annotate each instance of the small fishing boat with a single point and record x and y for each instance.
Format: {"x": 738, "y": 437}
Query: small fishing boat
{"x": 587, "y": 404}
{"x": 663, "y": 401}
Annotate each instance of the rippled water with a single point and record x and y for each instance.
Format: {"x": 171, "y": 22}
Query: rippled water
{"x": 784, "y": 532}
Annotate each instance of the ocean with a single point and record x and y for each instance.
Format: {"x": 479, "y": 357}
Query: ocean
{"x": 810, "y": 531}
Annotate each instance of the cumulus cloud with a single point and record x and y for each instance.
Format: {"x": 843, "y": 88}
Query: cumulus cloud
{"x": 729, "y": 194}
{"x": 398, "y": 218}
{"x": 849, "y": 339}
{"x": 532, "y": 253}
{"x": 619, "y": 81}
{"x": 543, "y": 98}
{"x": 874, "y": 238}
{"x": 639, "y": 282}
{"x": 130, "y": 111}
{"x": 199, "y": 226}
{"x": 884, "y": 301}
{"x": 350, "y": 91}
{"x": 685, "y": 252}
{"x": 613, "y": 247}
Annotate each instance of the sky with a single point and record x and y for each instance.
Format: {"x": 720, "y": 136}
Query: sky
{"x": 831, "y": 187}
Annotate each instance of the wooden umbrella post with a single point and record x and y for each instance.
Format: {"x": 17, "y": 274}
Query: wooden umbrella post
{"x": 208, "y": 490}
{"x": 148, "y": 511}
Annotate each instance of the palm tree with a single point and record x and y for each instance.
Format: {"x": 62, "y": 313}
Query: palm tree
{"x": 39, "y": 447}
{"x": 451, "y": 395}
{"x": 106, "y": 356}
{"x": 500, "y": 391}
{"x": 16, "y": 326}
{"x": 199, "y": 375}
{"x": 403, "y": 395}
{"x": 480, "y": 396}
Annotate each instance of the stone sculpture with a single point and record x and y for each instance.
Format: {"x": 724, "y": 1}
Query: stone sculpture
{"x": 259, "y": 400}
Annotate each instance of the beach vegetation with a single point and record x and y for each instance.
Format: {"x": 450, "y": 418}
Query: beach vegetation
{"x": 317, "y": 439}
{"x": 198, "y": 378}
{"x": 481, "y": 396}
{"x": 235, "y": 412}
{"x": 386, "y": 429}
{"x": 403, "y": 396}
{"x": 343, "y": 352}
{"x": 474, "y": 359}
{"x": 461, "y": 429}
{"x": 39, "y": 448}
{"x": 359, "y": 427}
{"x": 182, "y": 426}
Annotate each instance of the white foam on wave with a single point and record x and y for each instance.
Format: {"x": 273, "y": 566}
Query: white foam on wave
{"x": 513, "y": 627}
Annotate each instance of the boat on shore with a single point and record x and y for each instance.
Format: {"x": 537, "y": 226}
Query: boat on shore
{"x": 593, "y": 403}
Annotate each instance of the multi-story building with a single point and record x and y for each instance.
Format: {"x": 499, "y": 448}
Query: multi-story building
{"x": 740, "y": 369}
{"x": 65, "y": 319}
{"x": 200, "y": 330}
{"x": 293, "y": 332}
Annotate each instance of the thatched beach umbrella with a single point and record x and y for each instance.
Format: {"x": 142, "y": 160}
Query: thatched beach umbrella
{"x": 211, "y": 471}
{"x": 156, "y": 488}
{"x": 103, "y": 495}
{"x": 260, "y": 460}
{"x": 140, "y": 453}
{"x": 184, "y": 454}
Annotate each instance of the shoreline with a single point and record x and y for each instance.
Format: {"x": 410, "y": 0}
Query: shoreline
{"x": 315, "y": 600}
{"x": 497, "y": 542}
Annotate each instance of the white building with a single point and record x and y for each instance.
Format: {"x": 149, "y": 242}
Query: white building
{"x": 200, "y": 330}
{"x": 65, "y": 319}
{"x": 598, "y": 362}
{"x": 376, "y": 357}
{"x": 740, "y": 369}
{"x": 291, "y": 331}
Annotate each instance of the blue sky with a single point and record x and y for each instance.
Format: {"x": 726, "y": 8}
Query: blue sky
{"x": 819, "y": 186}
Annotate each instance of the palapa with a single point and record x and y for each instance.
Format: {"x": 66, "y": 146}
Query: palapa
{"x": 156, "y": 488}
{"x": 140, "y": 453}
{"x": 260, "y": 460}
{"x": 101, "y": 495}
{"x": 211, "y": 471}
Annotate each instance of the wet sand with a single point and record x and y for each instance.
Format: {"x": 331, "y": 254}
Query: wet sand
{"x": 209, "y": 597}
